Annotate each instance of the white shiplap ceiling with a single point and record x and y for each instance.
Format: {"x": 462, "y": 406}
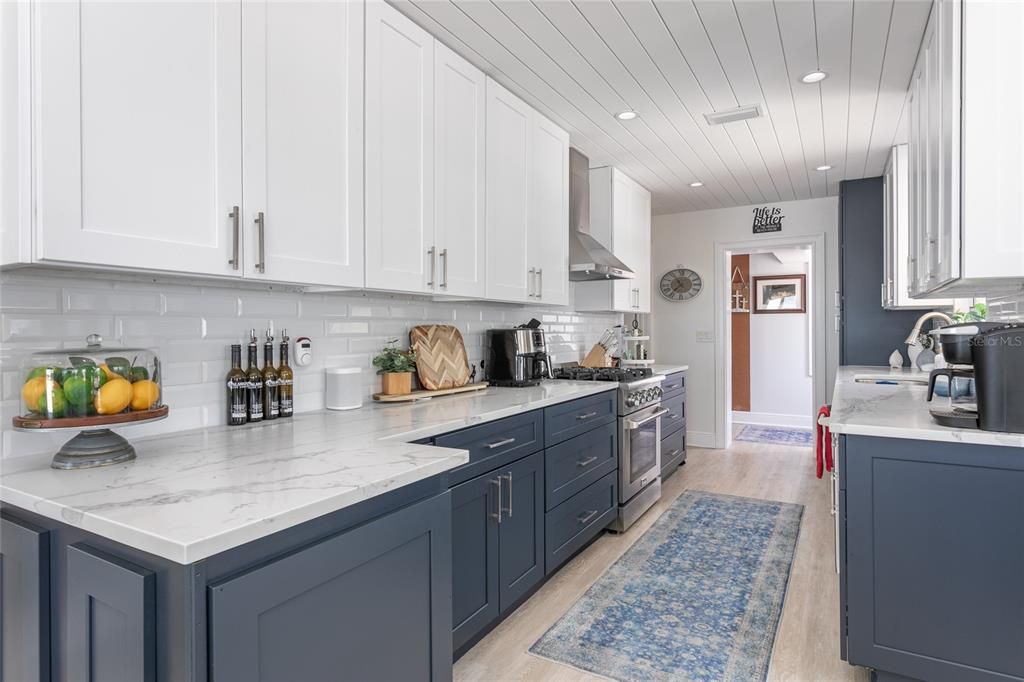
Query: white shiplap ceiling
{"x": 672, "y": 61}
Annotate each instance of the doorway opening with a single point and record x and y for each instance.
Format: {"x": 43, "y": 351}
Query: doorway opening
{"x": 771, "y": 355}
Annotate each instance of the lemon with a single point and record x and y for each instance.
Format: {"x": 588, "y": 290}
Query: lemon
{"x": 145, "y": 393}
{"x": 107, "y": 372}
{"x": 113, "y": 396}
{"x": 32, "y": 390}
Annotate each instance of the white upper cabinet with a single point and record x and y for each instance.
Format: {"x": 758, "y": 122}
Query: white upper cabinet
{"x": 400, "y": 253}
{"x": 508, "y": 188}
{"x": 548, "y": 235}
{"x": 896, "y": 241}
{"x": 620, "y": 218}
{"x": 138, "y": 140}
{"x": 302, "y": 68}
{"x": 460, "y": 96}
{"x": 966, "y": 147}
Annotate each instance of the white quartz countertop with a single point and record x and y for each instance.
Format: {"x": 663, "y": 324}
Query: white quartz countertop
{"x": 668, "y": 368}
{"x": 193, "y": 494}
{"x": 898, "y": 410}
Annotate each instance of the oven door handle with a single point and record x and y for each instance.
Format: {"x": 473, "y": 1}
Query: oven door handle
{"x": 632, "y": 425}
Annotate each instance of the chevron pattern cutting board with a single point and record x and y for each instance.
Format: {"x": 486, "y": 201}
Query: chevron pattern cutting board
{"x": 441, "y": 360}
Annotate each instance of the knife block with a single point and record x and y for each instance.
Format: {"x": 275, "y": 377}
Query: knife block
{"x": 598, "y": 357}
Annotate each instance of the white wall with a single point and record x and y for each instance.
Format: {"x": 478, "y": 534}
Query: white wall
{"x": 781, "y": 388}
{"x": 689, "y": 239}
{"x": 193, "y": 324}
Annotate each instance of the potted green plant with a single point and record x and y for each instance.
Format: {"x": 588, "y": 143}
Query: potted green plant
{"x": 395, "y": 367}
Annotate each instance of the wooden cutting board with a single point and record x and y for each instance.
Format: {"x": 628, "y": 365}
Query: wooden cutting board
{"x": 441, "y": 360}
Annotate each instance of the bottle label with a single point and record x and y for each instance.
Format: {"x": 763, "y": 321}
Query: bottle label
{"x": 286, "y": 404}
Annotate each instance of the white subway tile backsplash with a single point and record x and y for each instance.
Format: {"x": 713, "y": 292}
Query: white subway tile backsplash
{"x": 193, "y": 325}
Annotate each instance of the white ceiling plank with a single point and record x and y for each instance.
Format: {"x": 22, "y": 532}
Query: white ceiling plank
{"x": 758, "y": 22}
{"x": 834, "y": 24}
{"x": 723, "y": 28}
{"x": 909, "y": 18}
{"x": 800, "y": 45}
{"x": 870, "y": 32}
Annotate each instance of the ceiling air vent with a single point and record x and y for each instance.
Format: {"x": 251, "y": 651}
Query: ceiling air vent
{"x": 732, "y": 115}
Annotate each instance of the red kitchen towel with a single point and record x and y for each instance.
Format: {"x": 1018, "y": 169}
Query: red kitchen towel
{"x": 823, "y": 451}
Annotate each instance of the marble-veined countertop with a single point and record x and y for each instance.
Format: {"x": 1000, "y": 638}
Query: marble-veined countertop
{"x": 196, "y": 493}
{"x": 898, "y": 410}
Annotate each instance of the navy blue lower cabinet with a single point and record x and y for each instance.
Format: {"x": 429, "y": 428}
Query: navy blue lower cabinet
{"x": 578, "y": 520}
{"x": 25, "y": 601}
{"x": 934, "y": 558}
{"x": 110, "y": 618}
{"x": 372, "y": 603}
{"x": 566, "y": 420}
{"x": 521, "y": 530}
{"x": 673, "y": 452}
{"x": 474, "y": 557}
{"x": 571, "y": 466}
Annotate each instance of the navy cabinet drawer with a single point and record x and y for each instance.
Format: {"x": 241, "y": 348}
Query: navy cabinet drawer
{"x": 674, "y": 383}
{"x": 576, "y": 463}
{"x": 494, "y": 444}
{"x": 575, "y": 522}
{"x": 673, "y": 452}
{"x": 562, "y": 422}
{"x": 676, "y": 417}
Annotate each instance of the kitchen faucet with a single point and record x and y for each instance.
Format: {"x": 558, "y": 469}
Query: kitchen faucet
{"x": 912, "y": 338}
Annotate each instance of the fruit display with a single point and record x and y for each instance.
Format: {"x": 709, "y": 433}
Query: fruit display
{"x": 93, "y": 382}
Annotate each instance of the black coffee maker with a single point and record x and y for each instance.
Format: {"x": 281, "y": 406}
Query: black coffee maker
{"x": 517, "y": 357}
{"x": 999, "y": 378}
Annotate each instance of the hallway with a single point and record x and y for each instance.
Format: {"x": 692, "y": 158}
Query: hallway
{"x": 807, "y": 643}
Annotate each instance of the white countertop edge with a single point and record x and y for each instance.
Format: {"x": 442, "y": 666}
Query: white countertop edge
{"x": 668, "y": 368}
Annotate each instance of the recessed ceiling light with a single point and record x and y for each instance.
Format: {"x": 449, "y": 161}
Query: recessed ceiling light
{"x": 813, "y": 77}
{"x": 825, "y": 167}
{"x": 696, "y": 183}
{"x": 626, "y": 115}
{"x": 732, "y": 115}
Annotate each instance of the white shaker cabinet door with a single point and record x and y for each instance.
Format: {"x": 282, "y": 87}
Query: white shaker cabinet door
{"x": 642, "y": 281}
{"x": 624, "y": 241}
{"x": 459, "y": 137}
{"x": 138, "y": 144}
{"x": 508, "y": 187}
{"x": 302, "y": 66}
{"x": 549, "y": 212}
{"x": 400, "y": 251}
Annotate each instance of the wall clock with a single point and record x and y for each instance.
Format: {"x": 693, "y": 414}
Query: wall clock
{"x": 681, "y": 284}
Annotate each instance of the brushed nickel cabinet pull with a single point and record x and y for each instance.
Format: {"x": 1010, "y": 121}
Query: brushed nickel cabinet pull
{"x": 586, "y": 416}
{"x": 583, "y": 518}
{"x": 533, "y": 271}
{"x": 444, "y": 268}
{"x": 506, "y": 441}
{"x": 508, "y": 510}
{"x": 261, "y": 266}
{"x": 585, "y": 462}
{"x": 234, "y": 215}
{"x": 540, "y": 283}
{"x": 497, "y": 482}
{"x": 433, "y": 265}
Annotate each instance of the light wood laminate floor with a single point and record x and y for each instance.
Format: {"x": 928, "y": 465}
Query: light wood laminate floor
{"x": 807, "y": 643}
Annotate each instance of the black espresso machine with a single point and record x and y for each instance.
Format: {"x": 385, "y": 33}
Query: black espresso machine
{"x": 997, "y": 367}
{"x": 517, "y": 357}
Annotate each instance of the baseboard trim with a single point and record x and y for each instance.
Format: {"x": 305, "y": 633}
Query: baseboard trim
{"x": 799, "y": 421}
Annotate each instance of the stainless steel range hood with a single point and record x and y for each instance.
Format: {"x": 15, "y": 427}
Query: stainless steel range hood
{"x": 589, "y": 260}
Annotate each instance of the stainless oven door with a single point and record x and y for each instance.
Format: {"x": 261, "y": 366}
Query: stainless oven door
{"x": 640, "y": 449}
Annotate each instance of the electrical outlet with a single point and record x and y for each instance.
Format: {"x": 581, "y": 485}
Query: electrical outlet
{"x": 705, "y": 337}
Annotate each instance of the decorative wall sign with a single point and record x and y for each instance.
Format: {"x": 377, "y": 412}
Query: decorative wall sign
{"x": 780, "y": 294}
{"x": 680, "y": 284}
{"x": 767, "y": 219}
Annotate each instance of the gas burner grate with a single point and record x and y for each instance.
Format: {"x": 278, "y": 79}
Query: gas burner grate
{"x": 619, "y": 374}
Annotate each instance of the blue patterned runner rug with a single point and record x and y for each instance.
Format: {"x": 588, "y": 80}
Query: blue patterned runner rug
{"x": 774, "y": 434}
{"x": 697, "y": 597}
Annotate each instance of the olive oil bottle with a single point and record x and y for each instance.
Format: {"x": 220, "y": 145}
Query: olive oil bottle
{"x": 286, "y": 379}
{"x": 254, "y": 380}
{"x": 271, "y": 404}
{"x": 237, "y": 386}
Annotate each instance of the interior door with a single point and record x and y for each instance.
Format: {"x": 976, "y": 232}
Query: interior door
{"x": 138, "y": 111}
{"x": 508, "y": 189}
{"x": 459, "y": 135}
{"x": 521, "y": 531}
{"x": 549, "y": 211}
{"x": 400, "y": 253}
{"x": 302, "y": 64}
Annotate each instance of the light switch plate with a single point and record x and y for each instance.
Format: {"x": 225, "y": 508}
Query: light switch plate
{"x": 705, "y": 337}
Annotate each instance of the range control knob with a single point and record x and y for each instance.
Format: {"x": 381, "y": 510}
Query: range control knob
{"x": 658, "y": 392}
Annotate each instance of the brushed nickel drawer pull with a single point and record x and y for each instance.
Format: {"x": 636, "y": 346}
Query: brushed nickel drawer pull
{"x": 261, "y": 266}
{"x": 497, "y": 482}
{"x": 235, "y": 216}
{"x": 583, "y": 518}
{"x": 506, "y": 441}
{"x": 508, "y": 477}
{"x": 588, "y": 415}
{"x": 674, "y": 453}
{"x": 585, "y": 462}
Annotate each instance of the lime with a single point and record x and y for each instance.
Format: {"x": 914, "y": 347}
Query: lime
{"x": 78, "y": 391}
{"x": 52, "y": 402}
{"x": 55, "y": 373}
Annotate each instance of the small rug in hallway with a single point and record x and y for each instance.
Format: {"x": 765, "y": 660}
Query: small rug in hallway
{"x": 697, "y": 597}
{"x": 776, "y": 435}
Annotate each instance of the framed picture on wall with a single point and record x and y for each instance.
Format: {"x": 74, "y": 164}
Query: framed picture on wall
{"x": 780, "y": 294}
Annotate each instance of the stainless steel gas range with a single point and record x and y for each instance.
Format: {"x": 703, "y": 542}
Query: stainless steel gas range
{"x": 639, "y": 419}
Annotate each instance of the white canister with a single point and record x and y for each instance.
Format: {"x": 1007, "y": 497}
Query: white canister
{"x": 344, "y": 388}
